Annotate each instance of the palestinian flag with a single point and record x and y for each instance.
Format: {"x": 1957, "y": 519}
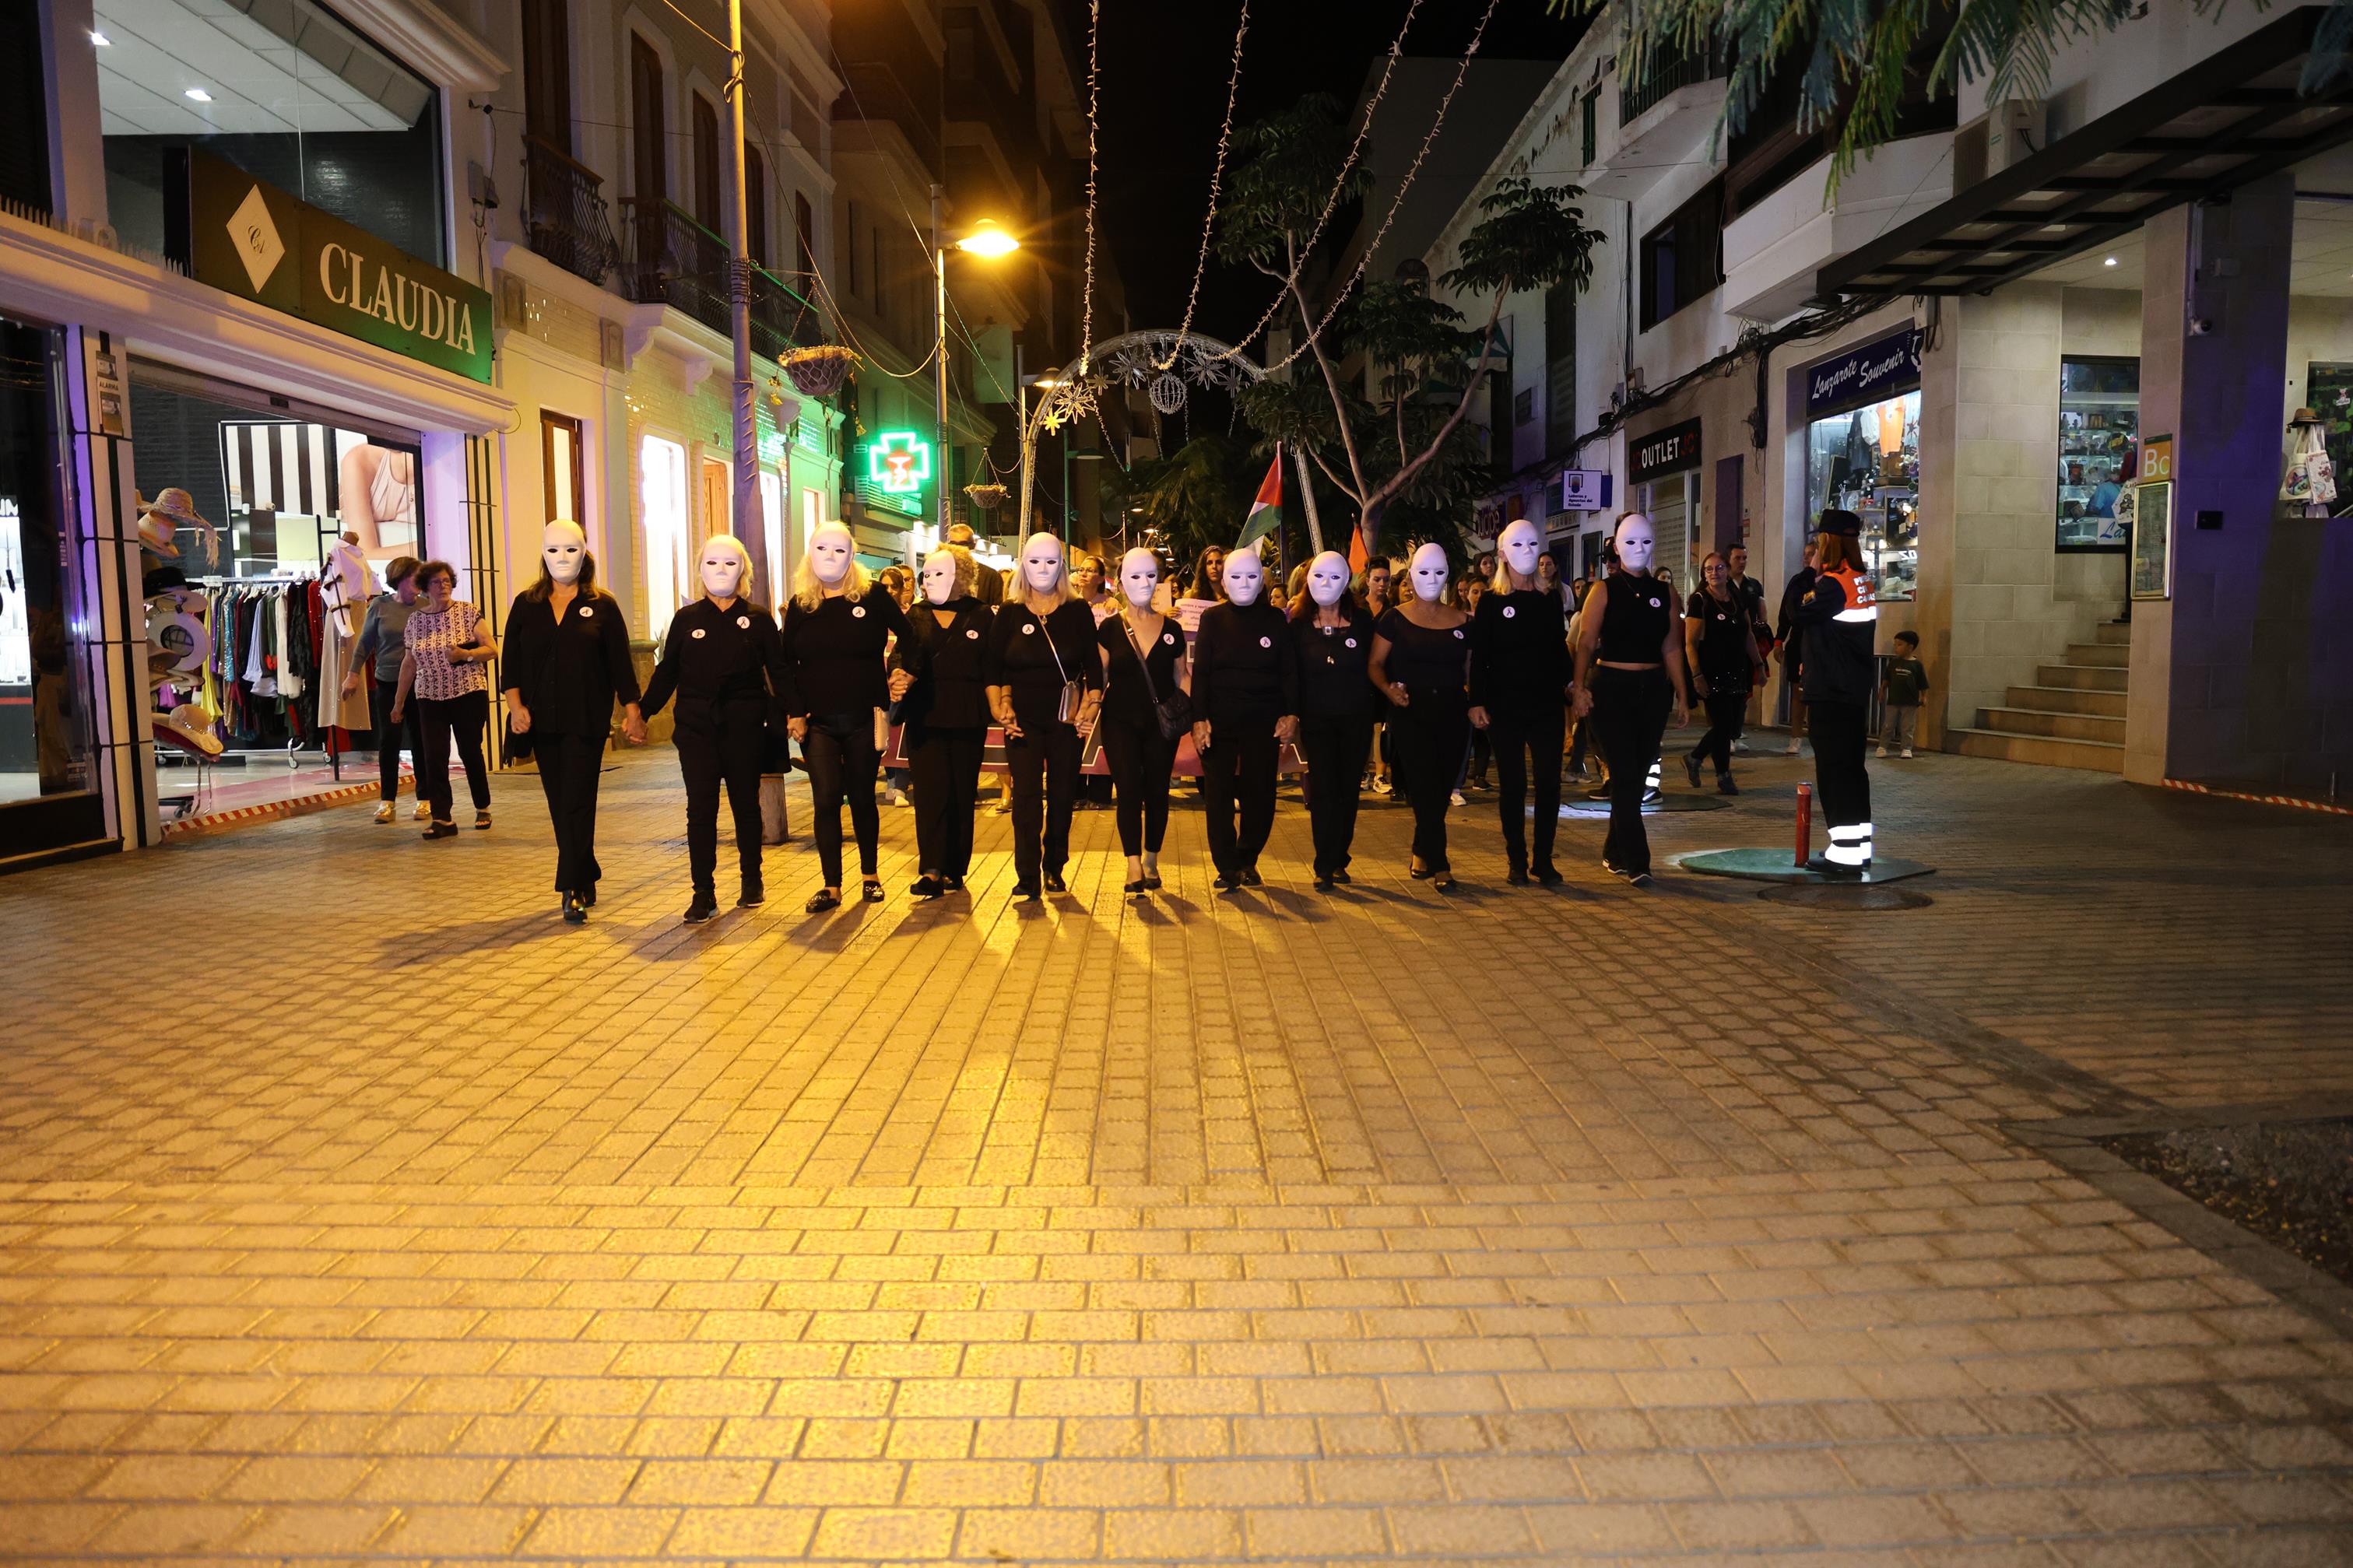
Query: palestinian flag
{"x": 1266, "y": 511}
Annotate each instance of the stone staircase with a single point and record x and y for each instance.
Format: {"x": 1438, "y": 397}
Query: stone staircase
{"x": 2072, "y": 717}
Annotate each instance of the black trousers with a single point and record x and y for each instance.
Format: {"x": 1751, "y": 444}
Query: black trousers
{"x": 1238, "y": 775}
{"x": 570, "y": 767}
{"x": 1334, "y": 750}
{"x": 722, "y": 745}
{"x": 1527, "y": 745}
{"x": 944, "y": 769}
{"x": 1431, "y": 732}
{"x": 390, "y": 737}
{"x": 1841, "y": 779}
{"x": 840, "y": 751}
{"x": 1629, "y": 716}
{"x": 1042, "y": 766}
{"x": 1140, "y": 761}
{"x": 461, "y": 720}
{"x": 1725, "y": 714}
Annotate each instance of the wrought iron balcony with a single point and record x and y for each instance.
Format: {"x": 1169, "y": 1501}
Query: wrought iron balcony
{"x": 1666, "y": 67}
{"x": 782, "y": 319}
{"x": 566, "y": 217}
{"x": 670, "y": 259}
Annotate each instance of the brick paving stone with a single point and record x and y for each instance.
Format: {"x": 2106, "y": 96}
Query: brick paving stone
{"x": 1513, "y": 1227}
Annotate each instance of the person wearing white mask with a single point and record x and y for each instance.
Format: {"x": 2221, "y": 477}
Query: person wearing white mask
{"x": 567, "y": 661}
{"x": 1630, "y": 672}
{"x": 836, "y": 629}
{"x": 723, "y": 659}
{"x": 945, "y": 713}
{"x": 1143, "y": 667}
{"x": 1245, "y": 706}
{"x": 1045, "y": 684}
{"x": 1422, "y": 663}
{"x": 1332, "y": 636}
{"x": 1520, "y": 676}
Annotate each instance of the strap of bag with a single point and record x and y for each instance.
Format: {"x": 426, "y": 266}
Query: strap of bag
{"x": 1141, "y": 663}
{"x": 1046, "y": 627}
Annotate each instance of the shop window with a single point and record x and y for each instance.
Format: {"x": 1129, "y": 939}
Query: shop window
{"x": 707, "y": 205}
{"x": 45, "y": 736}
{"x": 2099, "y": 450}
{"x": 1867, "y": 461}
{"x": 1523, "y": 406}
{"x": 306, "y": 104}
{"x": 561, "y": 467}
{"x": 1682, "y": 258}
{"x": 662, "y": 492}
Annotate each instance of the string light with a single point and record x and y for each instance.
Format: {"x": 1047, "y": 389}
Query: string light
{"x": 1087, "y": 299}
{"x": 1217, "y": 178}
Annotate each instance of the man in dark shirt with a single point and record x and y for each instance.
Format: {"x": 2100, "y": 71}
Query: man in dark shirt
{"x": 1792, "y": 650}
{"x": 1751, "y": 594}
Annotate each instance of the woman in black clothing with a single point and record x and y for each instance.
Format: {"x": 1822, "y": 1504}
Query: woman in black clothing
{"x": 1839, "y": 615}
{"x": 1143, "y": 665}
{"x": 723, "y": 658}
{"x": 568, "y": 659}
{"x": 945, "y": 712}
{"x": 1245, "y": 706}
{"x": 1046, "y": 681}
{"x": 1520, "y": 674}
{"x": 1630, "y": 671}
{"x": 836, "y": 630}
{"x": 1421, "y": 658}
{"x": 1333, "y": 638}
{"x": 1720, "y": 649}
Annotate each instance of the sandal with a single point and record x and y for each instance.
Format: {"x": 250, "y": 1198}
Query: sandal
{"x": 870, "y": 889}
{"x": 824, "y": 898}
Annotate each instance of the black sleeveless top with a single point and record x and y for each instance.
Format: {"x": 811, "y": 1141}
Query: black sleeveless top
{"x": 1635, "y": 631}
{"x": 1423, "y": 660}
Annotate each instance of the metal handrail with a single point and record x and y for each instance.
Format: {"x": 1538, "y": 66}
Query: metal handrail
{"x": 566, "y": 217}
{"x": 1666, "y": 67}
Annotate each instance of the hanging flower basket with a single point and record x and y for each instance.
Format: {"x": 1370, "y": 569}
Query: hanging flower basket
{"x": 986, "y": 497}
{"x": 819, "y": 371}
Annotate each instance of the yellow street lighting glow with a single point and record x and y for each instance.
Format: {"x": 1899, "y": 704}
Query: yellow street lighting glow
{"x": 989, "y": 240}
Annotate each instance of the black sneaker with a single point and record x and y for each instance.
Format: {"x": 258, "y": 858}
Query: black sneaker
{"x": 1323, "y": 883}
{"x": 1342, "y": 876}
{"x": 704, "y": 906}
{"x": 926, "y": 888}
{"x": 1691, "y": 766}
{"x": 752, "y": 897}
{"x": 1227, "y": 882}
{"x": 1025, "y": 892}
{"x": 1724, "y": 784}
{"x": 1548, "y": 875}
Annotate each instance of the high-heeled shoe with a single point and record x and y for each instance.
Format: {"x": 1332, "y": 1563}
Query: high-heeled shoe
{"x": 1418, "y": 873}
{"x": 1443, "y": 881}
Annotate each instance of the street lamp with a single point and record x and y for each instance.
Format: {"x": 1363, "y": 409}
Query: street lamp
{"x": 986, "y": 239}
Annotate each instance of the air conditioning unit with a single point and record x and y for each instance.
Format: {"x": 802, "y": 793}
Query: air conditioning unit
{"x": 2009, "y": 132}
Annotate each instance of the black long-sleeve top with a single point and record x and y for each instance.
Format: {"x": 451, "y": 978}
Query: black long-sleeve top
{"x": 1245, "y": 665}
{"x": 951, "y": 664}
{"x": 1842, "y": 662}
{"x": 1788, "y": 628}
{"x": 833, "y": 654}
{"x": 1519, "y": 652}
{"x": 1333, "y": 661}
{"x": 712, "y": 658}
{"x": 1127, "y": 699}
{"x": 1025, "y": 649}
{"x": 569, "y": 674}
{"x": 1426, "y": 660}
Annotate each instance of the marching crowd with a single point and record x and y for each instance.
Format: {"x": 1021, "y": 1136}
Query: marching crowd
{"x": 1411, "y": 681}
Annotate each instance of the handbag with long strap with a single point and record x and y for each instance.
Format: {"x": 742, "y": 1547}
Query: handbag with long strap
{"x": 1074, "y": 694}
{"x": 1173, "y": 712}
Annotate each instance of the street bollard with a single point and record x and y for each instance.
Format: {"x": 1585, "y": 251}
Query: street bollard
{"x": 1805, "y": 823}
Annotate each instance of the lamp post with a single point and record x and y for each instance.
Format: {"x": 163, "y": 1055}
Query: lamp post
{"x": 985, "y": 239}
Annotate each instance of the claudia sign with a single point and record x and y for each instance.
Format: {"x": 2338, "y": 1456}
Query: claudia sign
{"x": 1872, "y": 374}
{"x": 253, "y": 240}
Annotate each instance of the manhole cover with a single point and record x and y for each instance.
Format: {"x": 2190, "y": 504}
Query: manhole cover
{"x": 1845, "y": 896}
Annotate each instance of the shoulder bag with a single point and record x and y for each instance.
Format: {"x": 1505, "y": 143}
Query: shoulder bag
{"x": 1173, "y": 712}
{"x": 1074, "y": 692}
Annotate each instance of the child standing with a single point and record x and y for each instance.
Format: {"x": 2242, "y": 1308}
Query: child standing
{"x": 1907, "y": 678}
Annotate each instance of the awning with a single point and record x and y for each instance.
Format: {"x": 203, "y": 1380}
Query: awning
{"x": 2235, "y": 117}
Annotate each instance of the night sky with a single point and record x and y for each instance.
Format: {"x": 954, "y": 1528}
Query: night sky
{"x": 1165, "y": 69}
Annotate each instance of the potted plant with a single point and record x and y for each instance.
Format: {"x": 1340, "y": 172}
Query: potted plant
{"x": 819, "y": 371}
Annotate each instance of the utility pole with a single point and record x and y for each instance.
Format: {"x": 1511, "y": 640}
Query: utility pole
{"x": 940, "y": 463}
{"x": 739, "y": 299}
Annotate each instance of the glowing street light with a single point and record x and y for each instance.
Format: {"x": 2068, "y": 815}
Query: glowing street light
{"x": 987, "y": 239}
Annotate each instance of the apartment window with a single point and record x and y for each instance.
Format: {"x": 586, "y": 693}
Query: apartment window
{"x": 547, "y": 72}
{"x": 647, "y": 130}
{"x": 706, "y": 163}
{"x": 804, "y": 241}
{"x": 803, "y": 110}
{"x": 1682, "y": 258}
{"x": 1560, "y": 368}
{"x": 756, "y": 205}
{"x": 849, "y": 238}
{"x": 1592, "y": 126}
{"x": 1523, "y": 406}
{"x": 560, "y": 467}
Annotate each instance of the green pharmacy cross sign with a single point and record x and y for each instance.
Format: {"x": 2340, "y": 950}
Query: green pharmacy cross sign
{"x": 900, "y": 461}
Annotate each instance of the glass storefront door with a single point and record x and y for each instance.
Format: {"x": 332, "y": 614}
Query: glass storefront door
{"x": 46, "y": 743}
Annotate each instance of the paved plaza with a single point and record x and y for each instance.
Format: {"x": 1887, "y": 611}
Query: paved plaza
{"x": 355, "y": 1208}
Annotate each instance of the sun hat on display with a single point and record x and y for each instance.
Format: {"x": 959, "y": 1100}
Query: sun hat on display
{"x": 171, "y": 511}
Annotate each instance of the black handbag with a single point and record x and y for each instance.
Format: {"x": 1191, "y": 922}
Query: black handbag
{"x": 1174, "y": 711}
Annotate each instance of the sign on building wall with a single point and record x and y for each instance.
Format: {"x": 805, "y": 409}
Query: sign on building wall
{"x": 1583, "y": 489}
{"x": 1873, "y": 373}
{"x": 251, "y": 239}
{"x": 1664, "y": 452}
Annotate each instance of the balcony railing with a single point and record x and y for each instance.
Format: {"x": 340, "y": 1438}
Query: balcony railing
{"x": 781, "y": 320}
{"x": 673, "y": 260}
{"x": 566, "y": 217}
{"x": 1666, "y": 67}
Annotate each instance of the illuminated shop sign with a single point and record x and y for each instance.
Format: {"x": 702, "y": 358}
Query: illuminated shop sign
{"x": 899, "y": 462}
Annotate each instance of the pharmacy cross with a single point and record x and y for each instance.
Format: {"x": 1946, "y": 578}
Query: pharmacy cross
{"x": 899, "y": 461}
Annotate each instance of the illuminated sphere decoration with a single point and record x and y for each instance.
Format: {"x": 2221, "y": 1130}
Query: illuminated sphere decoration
{"x": 1166, "y": 392}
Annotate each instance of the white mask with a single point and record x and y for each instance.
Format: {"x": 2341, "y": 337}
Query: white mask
{"x": 1521, "y": 546}
{"x": 726, "y": 566}
{"x": 830, "y": 551}
{"x": 1635, "y": 542}
{"x": 1327, "y": 578}
{"x": 1244, "y": 576}
{"x": 1139, "y": 577}
{"x": 939, "y": 577}
{"x": 1041, "y": 563}
{"x": 564, "y": 547}
{"x": 1429, "y": 573}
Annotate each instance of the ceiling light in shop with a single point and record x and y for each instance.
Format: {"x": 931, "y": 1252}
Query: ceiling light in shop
{"x": 199, "y": 94}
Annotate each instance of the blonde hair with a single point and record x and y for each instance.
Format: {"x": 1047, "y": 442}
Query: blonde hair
{"x": 808, "y": 591}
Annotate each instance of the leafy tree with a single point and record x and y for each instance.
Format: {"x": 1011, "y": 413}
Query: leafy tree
{"x": 1406, "y": 443}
